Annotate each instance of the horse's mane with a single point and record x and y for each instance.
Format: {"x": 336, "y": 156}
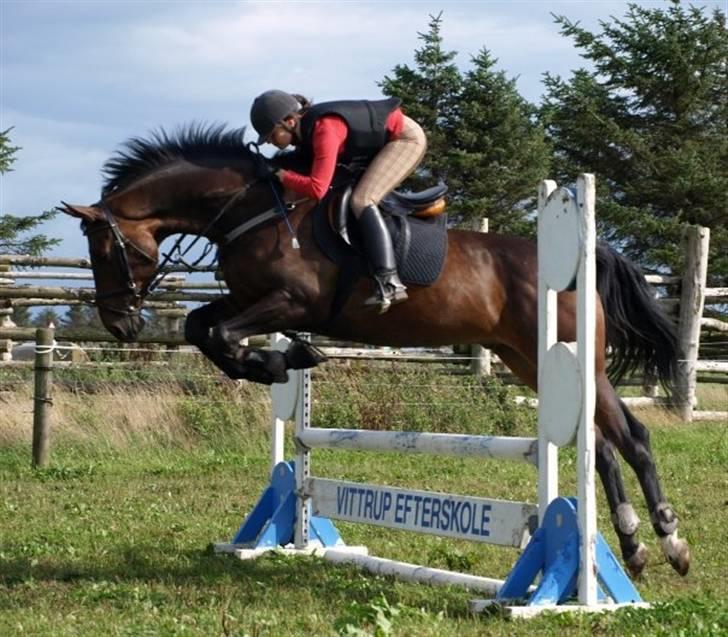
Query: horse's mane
{"x": 138, "y": 157}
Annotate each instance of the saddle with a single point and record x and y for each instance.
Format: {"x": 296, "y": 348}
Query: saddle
{"x": 420, "y": 205}
{"x": 415, "y": 221}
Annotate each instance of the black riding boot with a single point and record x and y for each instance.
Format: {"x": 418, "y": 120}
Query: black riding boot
{"x": 380, "y": 255}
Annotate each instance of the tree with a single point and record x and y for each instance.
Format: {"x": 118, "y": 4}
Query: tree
{"x": 499, "y": 155}
{"x": 90, "y": 317}
{"x": 429, "y": 94}
{"x": 74, "y": 317}
{"x": 651, "y": 120}
{"x": 21, "y": 316}
{"x": 46, "y": 317}
{"x": 482, "y": 137}
{"x": 156, "y": 325}
{"x": 12, "y": 228}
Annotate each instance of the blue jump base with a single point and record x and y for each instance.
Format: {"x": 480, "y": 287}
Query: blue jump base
{"x": 272, "y": 521}
{"x": 554, "y": 551}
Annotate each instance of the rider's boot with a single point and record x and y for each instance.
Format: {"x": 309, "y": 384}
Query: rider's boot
{"x": 380, "y": 255}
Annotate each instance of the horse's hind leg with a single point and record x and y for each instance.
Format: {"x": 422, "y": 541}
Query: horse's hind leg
{"x": 631, "y": 437}
{"x": 624, "y": 518}
{"x": 662, "y": 515}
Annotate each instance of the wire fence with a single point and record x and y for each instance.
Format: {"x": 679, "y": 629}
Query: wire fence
{"x": 706, "y": 360}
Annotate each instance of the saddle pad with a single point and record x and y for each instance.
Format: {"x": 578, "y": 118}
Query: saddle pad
{"x": 420, "y": 246}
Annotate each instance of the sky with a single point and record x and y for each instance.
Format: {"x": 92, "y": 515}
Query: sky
{"x": 77, "y": 78}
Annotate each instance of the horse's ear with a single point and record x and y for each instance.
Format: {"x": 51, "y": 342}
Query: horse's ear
{"x": 86, "y": 213}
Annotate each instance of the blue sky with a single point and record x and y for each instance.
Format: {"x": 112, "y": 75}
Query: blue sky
{"x": 78, "y": 78}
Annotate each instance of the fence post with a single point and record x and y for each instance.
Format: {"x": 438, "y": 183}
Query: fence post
{"x": 173, "y": 325}
{"x": 480, "y": 363}
{"x": 42, "y": 398}
{"x": 692, "y": 301}
{"x": 6, "y": 317}
{"x": 6, "y": 345}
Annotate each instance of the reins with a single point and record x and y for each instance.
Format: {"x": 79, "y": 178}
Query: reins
{"x": 281, "y": 208}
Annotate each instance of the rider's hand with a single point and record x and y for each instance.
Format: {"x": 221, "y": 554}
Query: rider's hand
{"x": 263, "y": 170}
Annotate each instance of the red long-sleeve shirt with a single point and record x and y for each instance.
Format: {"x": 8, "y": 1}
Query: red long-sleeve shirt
{"x": 328, "y": 141}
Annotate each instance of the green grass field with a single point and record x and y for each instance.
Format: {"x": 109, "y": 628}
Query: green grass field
{"x": 114, "y": 538}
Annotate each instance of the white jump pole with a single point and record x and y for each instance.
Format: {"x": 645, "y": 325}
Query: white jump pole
{"x": 567, "y": 391}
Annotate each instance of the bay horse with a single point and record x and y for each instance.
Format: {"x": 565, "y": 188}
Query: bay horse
{"x": 206, "y": 181}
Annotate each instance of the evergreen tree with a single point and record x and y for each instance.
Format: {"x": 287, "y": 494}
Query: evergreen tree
{"x": 46, "y": 317}
{"x": 21, "y": 316}
{"x": 651, "y": 121}
{"x": 74, "y": 317}
{"x": 155, "y": 325}
{"x": 482, "y": 139}
{"x": 429, "y": 94}
{"x": 499, "y": 155}
{"x": 13, "y": 228}
{"x": 91, "y": 317}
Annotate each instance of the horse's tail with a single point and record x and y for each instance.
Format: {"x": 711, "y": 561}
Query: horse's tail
{"x": 641, "y": 336}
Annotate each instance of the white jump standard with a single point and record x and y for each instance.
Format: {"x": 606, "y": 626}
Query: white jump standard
{"x": 566, "y": 560}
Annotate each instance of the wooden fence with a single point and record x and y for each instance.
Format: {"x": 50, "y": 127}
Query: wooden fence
{"x": 686, "y": 298}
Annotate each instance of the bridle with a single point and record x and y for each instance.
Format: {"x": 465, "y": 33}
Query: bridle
{"x": 121, "y": 244}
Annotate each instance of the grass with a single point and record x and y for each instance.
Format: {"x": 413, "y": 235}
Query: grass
{"x": 114, "y": 538}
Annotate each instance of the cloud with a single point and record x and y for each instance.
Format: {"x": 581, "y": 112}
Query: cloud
{"x": 80, "y": 77}
{"x": 57, "y": 160}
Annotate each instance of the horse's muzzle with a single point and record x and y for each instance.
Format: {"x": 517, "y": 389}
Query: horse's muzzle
{"x": 125, "y": 328}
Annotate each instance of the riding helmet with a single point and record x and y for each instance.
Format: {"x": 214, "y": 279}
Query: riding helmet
{"x": 269, "y": 109}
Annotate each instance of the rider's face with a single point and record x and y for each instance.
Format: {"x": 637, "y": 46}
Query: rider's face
{"x": 282, "y": 134}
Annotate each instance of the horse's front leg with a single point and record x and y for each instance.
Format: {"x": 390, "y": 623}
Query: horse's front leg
{"x": 276, "y": 312}
{"x": 198, "y": 325}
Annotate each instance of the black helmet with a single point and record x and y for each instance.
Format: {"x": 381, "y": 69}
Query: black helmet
{"x": 269, "y": 109}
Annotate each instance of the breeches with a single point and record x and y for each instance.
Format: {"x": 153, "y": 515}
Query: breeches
{"x": 392, "y": 165}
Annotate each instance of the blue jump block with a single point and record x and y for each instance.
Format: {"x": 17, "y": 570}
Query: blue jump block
{"x": 272, "y": 521}
{"x": 554, "y": 552}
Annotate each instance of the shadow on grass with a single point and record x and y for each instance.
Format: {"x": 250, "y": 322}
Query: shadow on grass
{"x": 204, "y": 571}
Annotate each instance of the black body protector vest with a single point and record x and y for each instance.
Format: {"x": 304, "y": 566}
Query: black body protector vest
{"x": 365, "y": 119}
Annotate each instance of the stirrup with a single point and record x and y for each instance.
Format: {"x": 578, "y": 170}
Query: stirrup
{"x": 389, "y": 291}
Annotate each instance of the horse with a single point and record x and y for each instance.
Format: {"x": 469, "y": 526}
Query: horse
{"x": 206, "y": 181}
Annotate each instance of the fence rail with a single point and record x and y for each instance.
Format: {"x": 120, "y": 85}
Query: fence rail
{"x": 686, "y": 298}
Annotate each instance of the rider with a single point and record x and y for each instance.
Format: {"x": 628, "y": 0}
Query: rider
{"x": 375, "y": 132}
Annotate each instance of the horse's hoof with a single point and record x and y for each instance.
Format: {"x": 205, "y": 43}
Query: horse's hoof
{"x": 637, "y": 561}
{"x": 677, "y": 552}
{"x": 303, "y": 355}
{"x": 265, "y": 366}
